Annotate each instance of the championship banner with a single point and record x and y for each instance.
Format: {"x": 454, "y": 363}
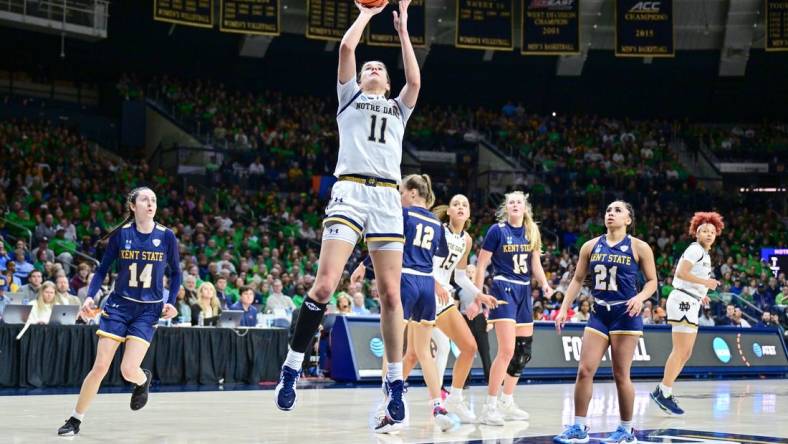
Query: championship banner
{"x": 381, "y": 32}
{"x": 357, "y": 351}
{"x": 776, "y": 24}
{"x": 550, "y": 27}
{"x": 487, "y": 24}
{"x": 644, "y": 28}
{"x": 329, "y": 19}
{"x": 259, "y": 17}
{"x": 184, "y": 12}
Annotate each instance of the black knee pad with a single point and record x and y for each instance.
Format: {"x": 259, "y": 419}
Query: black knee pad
{"x": 522, "y": 354}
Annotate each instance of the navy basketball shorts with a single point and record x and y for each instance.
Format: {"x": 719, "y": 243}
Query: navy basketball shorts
{"x": 418, "y": 298}
{"x": 614, "y": 320}
{"x": 123, "y": 319}
{"x": 514, "y": 303}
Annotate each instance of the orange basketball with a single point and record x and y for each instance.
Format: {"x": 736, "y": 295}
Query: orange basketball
{"x": 372, "y": 3}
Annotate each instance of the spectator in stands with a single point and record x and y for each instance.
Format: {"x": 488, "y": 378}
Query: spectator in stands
{"x": 184, "y": 309}
{"x": 23, "y": 267}
{"x": 278, "y": 300}
{"x": 738, "y": 320}
{"x": 766, "y": 320}
{"x": 583, "y": 312}
{"x": 62, "y": 295}
{"x": 4, "y": 258}
{"x": 80, "y": 279}
{"x": 31, "y": 290}
{"x": 46, "y": 229}
{"x": 69, "y": 230}
{"x": 13, "y": 282}
{"x": 705, "y": 319}
{"x": 646, "y": 315}
{"x": 727, "y": 318}
{"x": 658, "y": 316}
{"x": 373, "y": 301}
{"x": 3, "y": 299}
{"x": 344, "y": 303}
{"x": 207, "y": 310}
{"x": 249, "y": 318}
{"x": 43, "y": 245}
{"x": 358, "y": 304}
{"x": 42, "y": 305}
{"x": 190, "y": 285}
{"x": 782, "y": 298}
{"x": 221, "y": 287}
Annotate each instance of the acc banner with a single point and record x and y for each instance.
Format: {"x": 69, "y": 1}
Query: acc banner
{"x": 644, "y": 28}
{"x": 380, "y": 31}
{"x": 250, "y": 16}
{"x": 184, "y": 12}
{"x": 329, "y": 19}
{"x": 485, "y": 24}
{"x": 776, "y": 25}
{"x": 550, "y": 27}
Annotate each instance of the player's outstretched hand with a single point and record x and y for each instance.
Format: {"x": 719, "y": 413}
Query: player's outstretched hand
{"x": 169, "y": 312}
{"x": 711, "y": 284}
{"x": 487, "y": 300}
{"x": 401, "y": 19}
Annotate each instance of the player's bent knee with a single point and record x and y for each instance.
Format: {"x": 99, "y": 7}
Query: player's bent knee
{"x": 129, "y": 372}
{"x": 522, "y": 354}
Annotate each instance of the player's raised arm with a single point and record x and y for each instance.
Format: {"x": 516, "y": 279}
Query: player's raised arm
{"x": 410, "y": 92}
{"x": 347, "y": 48}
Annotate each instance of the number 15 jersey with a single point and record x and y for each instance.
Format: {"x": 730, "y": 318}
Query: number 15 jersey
{"x": 371, "y": 129}
{"x": 511, "y": 252}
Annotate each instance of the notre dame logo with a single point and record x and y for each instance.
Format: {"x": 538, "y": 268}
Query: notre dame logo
{"x": 684, "y": 306}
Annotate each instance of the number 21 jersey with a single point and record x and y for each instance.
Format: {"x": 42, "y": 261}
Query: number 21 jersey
{"x": 613, "y": 270}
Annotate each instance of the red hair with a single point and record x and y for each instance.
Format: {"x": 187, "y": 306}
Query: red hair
{"x": 701, "y": 218}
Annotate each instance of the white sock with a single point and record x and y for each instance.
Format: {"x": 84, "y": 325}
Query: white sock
{"x": 437, "y": 402}
{"x": 627, "y": 425}
{"x": 492, "y": 400}
{"x": 667, "y": 391}
{"x": 294, "y": 359}
{"x": 79, "y": 416}
{"x": 507, "y": 399}
{"x": 394, "y": 371}
{"x": 580, "y": 421}
{"x": 455, "y": 393}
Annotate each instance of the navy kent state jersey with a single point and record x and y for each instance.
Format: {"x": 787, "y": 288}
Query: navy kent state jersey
{"x": 614, "y": 270}
{"x": 423, "y": 237}
{"x": 142, "y": 260}
{"x": 511, "y": 252}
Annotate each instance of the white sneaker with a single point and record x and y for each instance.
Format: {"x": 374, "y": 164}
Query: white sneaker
{"x": 443, "y": 419}
{"x": 459, "y": 408}
{"x": 491, "y": 415}
{"x": 511, "y": 412}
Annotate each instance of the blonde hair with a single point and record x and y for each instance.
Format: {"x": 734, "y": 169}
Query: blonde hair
{"x": 423, "y": 185}
{"x": 531, "y": 229}
{"x": 442, "y": 211}
{"x": 214, "y": 300}
{"x": 40, "y": 304}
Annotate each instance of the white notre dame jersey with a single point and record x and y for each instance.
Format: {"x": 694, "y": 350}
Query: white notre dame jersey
{"x": 701, "y": 268}
{"x": 449, "y": 259}
{"x": 371, "y": 129}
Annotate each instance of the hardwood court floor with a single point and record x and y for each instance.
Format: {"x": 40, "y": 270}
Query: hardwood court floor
{"x": 753, "y": 411}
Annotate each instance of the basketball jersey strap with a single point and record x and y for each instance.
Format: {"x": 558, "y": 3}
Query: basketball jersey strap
{"x": 352, "y": 99}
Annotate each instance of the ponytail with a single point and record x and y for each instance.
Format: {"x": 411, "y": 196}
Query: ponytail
{"x": 423, "y": 186}
{"x": 130, "y": 199}
{"x": 442, "y": 213}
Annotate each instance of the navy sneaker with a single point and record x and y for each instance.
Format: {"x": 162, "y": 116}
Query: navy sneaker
{"x": 668, "y": 404}
{"x": 396, "y": 405}
{"x": 285, "y": 392}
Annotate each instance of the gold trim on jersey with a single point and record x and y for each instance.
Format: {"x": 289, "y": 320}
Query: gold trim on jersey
{"x": 423, "y": 217}
{"x": 138, "y": 339}
{"x": 683, "y": 322}
{"x": 343, "y": 222}
{"x": 448, "y": 308}
{"x": 384, "y": 239}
